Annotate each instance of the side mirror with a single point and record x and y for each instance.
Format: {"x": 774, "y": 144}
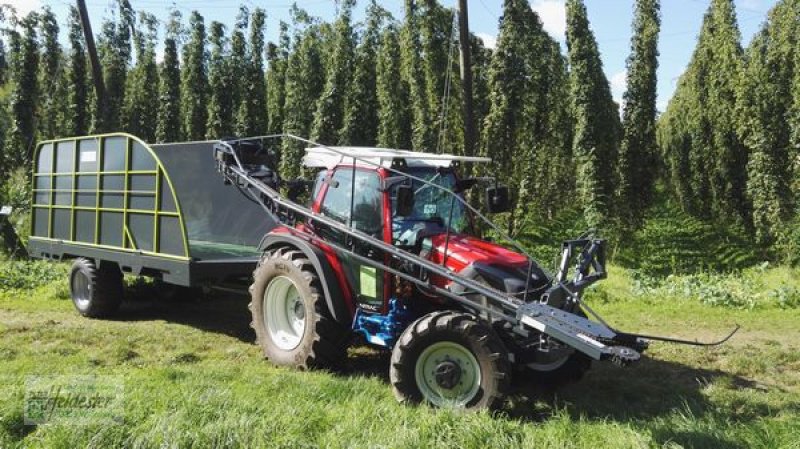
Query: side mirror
{"x": 497, "y": 199}
{"x": 405, "y": 201}
{"x": 462, "y": 185}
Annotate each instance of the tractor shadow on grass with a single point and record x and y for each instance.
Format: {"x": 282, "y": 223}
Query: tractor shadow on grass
{"x": 225, "y": 314}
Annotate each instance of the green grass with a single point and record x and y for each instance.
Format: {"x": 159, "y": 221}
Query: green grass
{"x": 193, "y": 378}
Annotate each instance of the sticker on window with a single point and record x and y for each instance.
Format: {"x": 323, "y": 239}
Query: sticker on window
{"x": 88, "y": 156}
{"x": 368, "y": 280}
{"x": 429, "y": 209}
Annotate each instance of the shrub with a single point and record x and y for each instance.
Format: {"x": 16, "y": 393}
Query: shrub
{"x": 19, "y": 275}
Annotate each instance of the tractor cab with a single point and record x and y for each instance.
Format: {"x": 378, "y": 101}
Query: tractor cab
{"x": 415, "y": 202}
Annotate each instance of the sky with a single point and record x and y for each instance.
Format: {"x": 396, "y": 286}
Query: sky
{"x": 610, "y": 20}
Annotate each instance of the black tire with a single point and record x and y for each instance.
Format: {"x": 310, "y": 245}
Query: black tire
{"x": 96, "y": 292}
{"x": 576, "y": 365}
{"x": 571, "y": 371}
{"x": 467, "y": 332}
{"x": 322, "y": 342}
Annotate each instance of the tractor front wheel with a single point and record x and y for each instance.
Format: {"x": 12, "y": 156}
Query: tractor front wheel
{"x": 450, "y": 359}
{"x": 290, "y": 316}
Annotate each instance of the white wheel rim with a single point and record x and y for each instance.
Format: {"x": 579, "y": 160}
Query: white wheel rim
{"x": 453, "y": 354}
{"x": 284, "y": 313}
{"x": 81, "y": 290}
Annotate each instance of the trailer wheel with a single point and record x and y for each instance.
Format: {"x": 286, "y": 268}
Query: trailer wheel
{"x": 96, "y": 292}
{"x": 450, "y": 359}
{"x": 290, "y": 316}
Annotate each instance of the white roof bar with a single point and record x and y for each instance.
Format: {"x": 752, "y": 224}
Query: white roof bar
{"x": 323, "y": 157}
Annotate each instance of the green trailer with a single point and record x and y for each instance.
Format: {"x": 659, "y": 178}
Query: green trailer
{"x": 157, "y": 210}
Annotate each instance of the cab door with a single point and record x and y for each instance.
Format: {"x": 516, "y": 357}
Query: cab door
{"x": 355, "y": 198}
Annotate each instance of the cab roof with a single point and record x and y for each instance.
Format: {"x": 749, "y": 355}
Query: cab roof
{"x": 330, "y": 157}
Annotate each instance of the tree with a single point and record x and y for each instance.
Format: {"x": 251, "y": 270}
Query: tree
{"x": 194, "y": 81}
{"x": 141, "y": 100}
{"x": 414, "y": 73}
{"x": 168, "y": 128}
{"x": 481, "y": 59}
{"x": 76, "y": 121}
{"x": 3, "y": 63}
{"x": 220, "y": 80}
{"x": 707, "y": 157}
{"x": 238, "y": 60}
{"x": 277, "y": 60}
{"x": 360, "y": 124}
{"x": 252, "y": 118}
{"x": 508, "y": 84}
{"x": 526, "y": 129}
{"x": 595, "y": 143}
{"x": 764, "y": 104}
{"x": 330, "y": 107}
{"x": 24, "y": 93}
{"x": 394, "y": 114}
{"x": 637, "y": 153}
{"x": 114, "y": 49}
{"x": 50, "y": 75}
{"x": 445, "y": 121}
{"x": 794, "y": 126}
{"x": 304, "y": 83}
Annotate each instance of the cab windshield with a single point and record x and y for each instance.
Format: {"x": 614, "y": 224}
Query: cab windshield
{"x": 432, "y": 205}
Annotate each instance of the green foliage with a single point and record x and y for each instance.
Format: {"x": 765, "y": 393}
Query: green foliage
{"x": 440, "y": 61}
{"x": 75, "y": 121}
{"x": 277, "y": 60}
{"x": 596, "y": 139}
{"x": 329, "y": 114}
{"x": 360, "y": 122}
{"x": 742, "y": 289}
{"x": 414, "y": 73}
{"x": 114, "y": 48}
{"x": 764, "y": 103}
{"x": 394, "y": 114}
{"x": 527, "y": 127}
{"x": 671, "y": 241}
{"x": 304, "y": 83}
{"x": 194, "y": 81}
{"x": 220, "y": 80}
{"x": 168, "y": 128}
{"x": 698, "y": 132}
{"x": 252, "y": 116}
{"x": 27, "y": 275}
{"x": 637, "y": 156}
{"x": 3, "y": 63}
{"x": 50, "y": 76}
{"x": 23, "y": 105}
{"x": 16, "y": 192}
{"x": 141, "y": 99}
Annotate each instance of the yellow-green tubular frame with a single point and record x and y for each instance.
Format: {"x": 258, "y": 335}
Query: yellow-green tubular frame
{"x": 97, "y": 209}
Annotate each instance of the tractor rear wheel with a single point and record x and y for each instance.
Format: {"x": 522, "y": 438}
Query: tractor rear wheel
{"x": 96, "y": 291}
{"x": 450, "y": 359}
{"x": 290, "y": 315}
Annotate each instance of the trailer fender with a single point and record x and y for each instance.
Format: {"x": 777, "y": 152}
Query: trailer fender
{"x": 327, "y": 276}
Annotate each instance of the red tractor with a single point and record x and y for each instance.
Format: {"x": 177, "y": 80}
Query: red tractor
{"x": 385, "y": 248}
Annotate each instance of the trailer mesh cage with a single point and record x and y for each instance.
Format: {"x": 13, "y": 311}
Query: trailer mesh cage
{"x": 160, "y": 208}
{"x": 107, "y": 191}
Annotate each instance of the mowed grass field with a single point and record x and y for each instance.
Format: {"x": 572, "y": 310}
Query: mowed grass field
{"x": 194, "y": 378}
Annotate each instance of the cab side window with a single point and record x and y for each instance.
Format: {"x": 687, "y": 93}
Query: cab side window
{"x": 367, "y": 203}
{"x": 318, "y": 181}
